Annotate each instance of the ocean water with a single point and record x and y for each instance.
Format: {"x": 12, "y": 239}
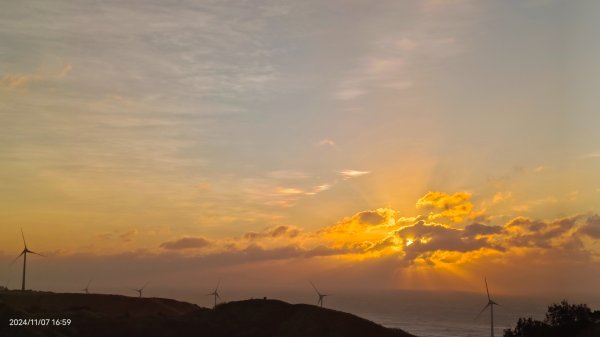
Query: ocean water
{"x": 438, "y": 314}
{"x": 443, "y": 314}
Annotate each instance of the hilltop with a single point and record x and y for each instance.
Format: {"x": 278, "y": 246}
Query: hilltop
{"x": 121, "y": 316}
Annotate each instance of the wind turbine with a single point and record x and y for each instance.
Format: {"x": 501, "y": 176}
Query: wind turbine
{"x": 490, "y": 304}
{"x": 321, "y": 296}
{"x": 141, "y": 289}
{"x": 87, "y": 290}
{"x": 24, "y": 253}
{"x": 215, "y": 294}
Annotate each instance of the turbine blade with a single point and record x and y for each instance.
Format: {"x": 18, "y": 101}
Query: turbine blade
{"x": 32, "y": 252}
{"x": 145, "y": 285}
{"x": 486, "y": 289}
{"x": 23, "y": 236}
{"x": 88, "y": 284}
{"x": 16, "y": 258}
{"x": 218, "y": 283}
{"x": 482, "y": 310}
{"x": 313, "y": 285}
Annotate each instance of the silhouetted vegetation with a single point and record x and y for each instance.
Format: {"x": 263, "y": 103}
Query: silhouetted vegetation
{"x": 562, "y": 320}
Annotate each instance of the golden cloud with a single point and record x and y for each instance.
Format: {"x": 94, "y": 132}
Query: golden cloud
{"x": 442, "y": 205}
{"x": 416, "y": 241}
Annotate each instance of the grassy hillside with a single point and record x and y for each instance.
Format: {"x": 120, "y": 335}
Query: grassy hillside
{"x": 112, "y": 315}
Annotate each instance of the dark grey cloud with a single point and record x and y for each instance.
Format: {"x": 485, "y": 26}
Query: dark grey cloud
{"x": 186, "y": 243}
{"x": 592, "y": 227}
{"x": 525, "y": 232}
{"x": 274, "y": 232}
{"x": 480, "y": 229}
{"x": 370, "y": 217}
{"x": 428, "y": 238}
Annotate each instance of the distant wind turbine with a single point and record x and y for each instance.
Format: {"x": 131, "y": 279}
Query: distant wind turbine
{"x": 215, "y": 294}
{"x": 490, "y": 304}
{"x": 86, "y": 289}
{"x": 141, "y": 289}
{"x": 24, "y": 253}
{"x": 321, "y": 296}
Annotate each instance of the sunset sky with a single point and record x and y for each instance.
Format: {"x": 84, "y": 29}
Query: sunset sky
{"x": 360, "y": 144}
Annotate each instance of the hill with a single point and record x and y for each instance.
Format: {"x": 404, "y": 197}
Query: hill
{"x": 121, "y": 316}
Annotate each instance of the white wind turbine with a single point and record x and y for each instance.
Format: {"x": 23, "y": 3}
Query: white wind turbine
{"x": 321, "y": 296}
{"x": 24, "y": 253}
{"x": 490, "y": 304}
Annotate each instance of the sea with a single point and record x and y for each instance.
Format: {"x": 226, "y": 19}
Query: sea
{"x": 445, "y": 314}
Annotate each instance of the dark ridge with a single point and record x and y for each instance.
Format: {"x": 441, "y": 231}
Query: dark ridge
{"x": 96, "y": 315}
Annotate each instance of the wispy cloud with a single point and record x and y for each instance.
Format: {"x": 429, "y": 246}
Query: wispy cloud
{"x": 390, "y": 62}
{"x": 129, "y": 236}
{"x": 348, "y": 91}
{"x": 326, "y": 141}
{"x": 592, "y": 155}
{"x": 347, "y": 174}
{"x": 15, "y": 81}
{"x": 288, "y": 175}
{"x": 501, "y": 197}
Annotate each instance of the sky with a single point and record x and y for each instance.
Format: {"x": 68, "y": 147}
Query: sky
{"x": 376, "y": 145}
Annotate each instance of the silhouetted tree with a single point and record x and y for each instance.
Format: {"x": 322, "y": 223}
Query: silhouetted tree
{"x": 562, "y": 319}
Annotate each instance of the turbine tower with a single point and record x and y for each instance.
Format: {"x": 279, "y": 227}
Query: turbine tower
{"x": 24, "y": 253}
{"x": 490, "y": 304}
{"x": 215, "y": 294}
{"x": 86, "y": 289}
{"x": 321, "y": 296}
{"x": 141, "y": 289}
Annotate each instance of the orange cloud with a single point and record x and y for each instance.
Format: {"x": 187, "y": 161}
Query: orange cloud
{"x": 501, "y": 197}
{"x": 442, "y": 205}
{"x": 405, "y": 242}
